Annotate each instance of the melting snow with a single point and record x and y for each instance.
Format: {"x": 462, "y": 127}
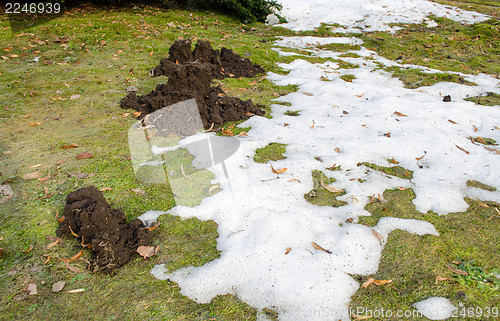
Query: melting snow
{"x": 435, "y": 308}
{"x": 260, "y": 214}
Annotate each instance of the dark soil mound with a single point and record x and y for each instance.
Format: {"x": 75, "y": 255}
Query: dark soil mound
{"x": 225, "y": 63}
{"x": 112, "y": 240}
{"x": 190, "y": 76}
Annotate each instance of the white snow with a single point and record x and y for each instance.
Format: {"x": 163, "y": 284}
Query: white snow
{"x": 261, "y": 214}
{"x": 435, "y": 308}
{"x": 368, "y": 15}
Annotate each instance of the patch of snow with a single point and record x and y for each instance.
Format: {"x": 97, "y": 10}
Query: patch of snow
{"x": 435, "y": 308}
{"x": 266, "y": 227}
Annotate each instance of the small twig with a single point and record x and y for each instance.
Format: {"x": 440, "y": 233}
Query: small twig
{"x": 211, "y": 127}
{"x": 184, "y": 174}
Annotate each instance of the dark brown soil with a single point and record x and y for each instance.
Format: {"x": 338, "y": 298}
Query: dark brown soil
{"x": 190, "y": 76}
{"x": 112, "y": 240}
{"x": 225, "y": 62}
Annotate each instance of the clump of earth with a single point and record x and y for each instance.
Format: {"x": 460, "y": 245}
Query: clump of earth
{"x": 190, "y": 75}
{"x": 112, "y": 240}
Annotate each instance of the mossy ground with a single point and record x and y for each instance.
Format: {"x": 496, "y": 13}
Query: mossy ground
{"x": 108, "y": 51}
{"x": 416, "y": 264}
{"x": 271, "y": 152}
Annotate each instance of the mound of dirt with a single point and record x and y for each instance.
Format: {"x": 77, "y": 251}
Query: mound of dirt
{"x": 225, "y": 63}
{"x": 112, "y": 240}
{"x": 190, "y": 76}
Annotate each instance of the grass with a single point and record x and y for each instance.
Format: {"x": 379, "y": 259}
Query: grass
{"x": 319, "y": 195}
{"x": 414, "y": 262}
{"x": 107, "y": 51}
{"x": 271, "y": 152}
{"x": 489, "y": 99}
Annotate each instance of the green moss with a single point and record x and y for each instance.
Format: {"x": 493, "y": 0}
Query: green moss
{"x": 414, "y": 78}
{"x": 348, "y": 77}
{"x": 319, "y": 195}
{"x": 272, "y": 152}
{"x": 413, "y": 262}
{"x": 350, "y": 55}
{"x": 480, "y": 185}
{"x": 450, "y": 46}
{"x": 292, "y": 113}
{"x": 490, "y": 99}
{"x": 397, "y": 171}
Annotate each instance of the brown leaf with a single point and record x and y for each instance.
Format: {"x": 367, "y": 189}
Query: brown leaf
{"x": 147, "y": 251}
{"x": 242, "y": 134}
{"x": 74, "y": 96}
{"x": 294, "y": 180}
{"x": 84, "y": 155}
{"x": 51, "y": 245}
{"x": 74, "y": 291}
{"x": 419, "y": 158}
{"x": 278, "y": 171}
{"x": 74, "y": 257}
{"x": 393, "y": 161}
{"x": 381, "y": 282}
{"x": 332, "y": 189}
{"x": 106, "y": 189}
{"x": 475, "y": 128}
{"x": 227, "y": 132}
{"x": 397, "y": 113}
{"x": 319, "y": 248}
{"x": 72, "y": 145}
{"x": 72, "y": 268}
{"x": 482, "y": 204}
{"x": 307, "y": 94}
{"x": 494, "y": 150}
{"x": 337, "y": 150}
{"x": 32, "y": 175}
{"x": 58, "y": 286}
{"x": 453, "y": 122}
{"x": 139, "y": 191}
{"x": 359, "y": 96}
{"x": 463, "y": 150}
{"x": 288, "y": 249}
{"x": 32, "y": 289}
{"x": 378, "y": 235}
{"x": 367, "y": 282}
{"x": 312, "y": 126}
{"x": 7, "y": 193}
{"x": 440, "y": 278}
{"x": 457, "y": 271}
{"x": 63, "y": 161}
{"x": 28, "y": 249}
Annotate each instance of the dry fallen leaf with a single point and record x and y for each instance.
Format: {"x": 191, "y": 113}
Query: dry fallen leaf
{"x": 440, "y": 278}
{"x": 453, "y": 122}
{"x": 457, "y": 271}
{"x": 393, "y": 161}
{"x": 494, "y": 150}
{"x": 359, "y": 96}
{"x": 139, "y": 191}
{"x": 278, "y": 171}
{"x": 367, "y": 282}
{"x": 84, "y": 155}
{"x": 381, "y": 282}
{"x": 307, "y": 93}
{"x": 74, "y": 96}
{"x": 74, "y": 291}
{"x": 378, "y": 235}
{"x": 397, "y": 113}
{"x": 106, "y": 189}
{"x": 72, "y": 268}
{"x": 147, "y": 251}
{"x": 51, "y": 245}
{"x": 332, "y": 189}
{"x": 288, "y": 249}
{"x": 463, "y": 150}
{"x": 242, "y": 134}
{"x": 320, "y": 248}
{"x": 72, "y": 145}
{"x": 7, "y": 193}
{"x": 227, "y": 132}
{"x": 32, "y": 175}
{"x": 32, "y": 289}
{"x": 58, "y": 286}
{"x": 28, "y": 249}
{"x": 74, "y": 257}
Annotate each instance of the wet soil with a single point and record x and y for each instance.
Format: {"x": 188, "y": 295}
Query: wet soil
{"x": 112, "y": 240}
{"x": 190, "y": 75}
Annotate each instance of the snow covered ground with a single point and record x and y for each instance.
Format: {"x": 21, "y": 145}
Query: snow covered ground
{"x": 266, "y": 227}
